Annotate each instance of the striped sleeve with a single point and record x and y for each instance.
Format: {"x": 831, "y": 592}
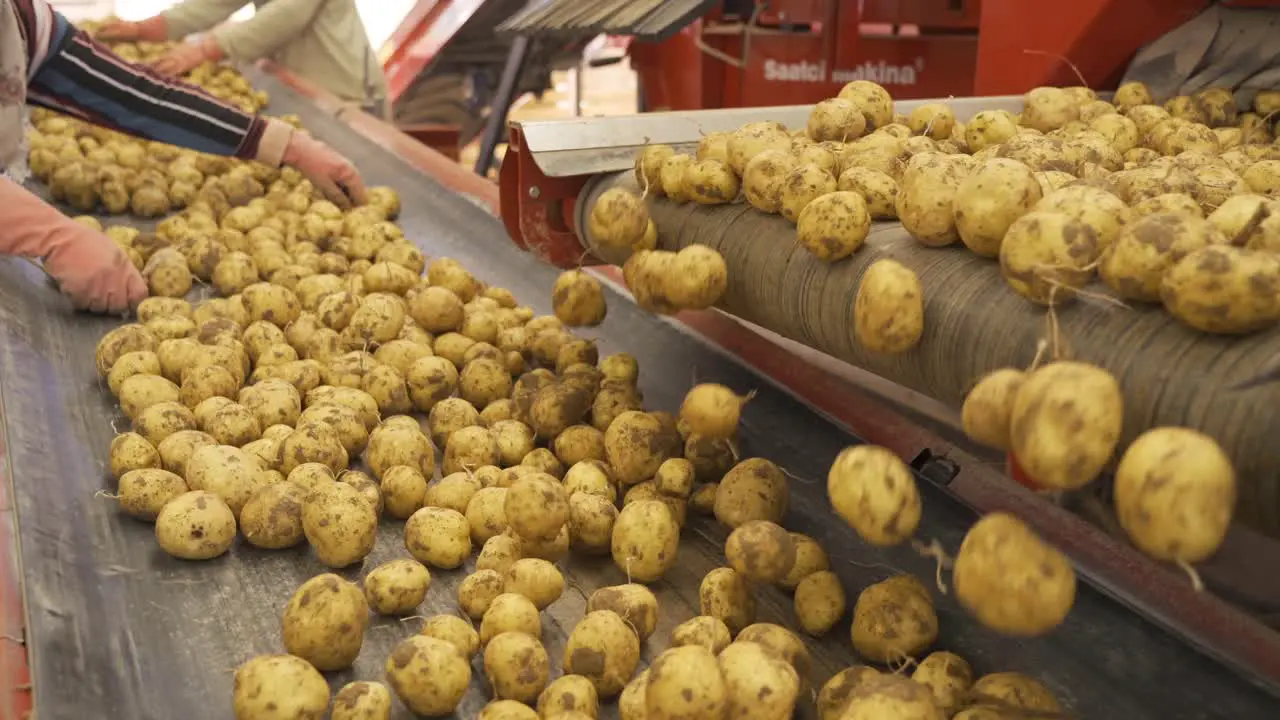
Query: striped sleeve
{"x": 71, "y": 73}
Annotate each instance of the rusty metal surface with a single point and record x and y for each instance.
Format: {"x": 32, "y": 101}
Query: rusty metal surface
{"x": 117, "y": 629}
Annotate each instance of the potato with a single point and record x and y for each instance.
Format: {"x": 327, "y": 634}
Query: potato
{"x": 390, "y": 446}
{"x": 725, "y": 595}
{"x": 131, "y": 451}
{"x": 892, "y": 696}
{"x": 429, "y": 675}
{"x": 591, "y": 521}
{"x": 820, "y": 602}
{"x": 763, "y": 176}
{"x": 272, "y": 518}
{"x": 138, "y": 362}
{"x": 397, "y": 587}
{"x": 195, "y": 525}
{"x": 362, "y": 700}
{"x": 1016, "y": 690}
{"x": 634, "y": 603}
{"x": 755, "y": 489}
{"x": 1175, "y": 491}
{"x": 535, "y": 579}
{"x": 233, "y": 424}
{"x": 226, "y": 471}
{"x": 698, "y": 278}
{"x": 486, "y": 513}
{"x": 671, "y": 177}
{"x": 430, "y": 380}
{"x": 889, "y": 308}
{"x": 1046, "y": 256}
{"x": 1143, "y": 252}
{"x": 569, "y": 694}
{"x": 578, "y": 299}
{"x": 603, "y": 649}
{"x": 925, "y": 198}
{"x": 618, "y": 219}
{"x": 270, "y": 687}
{"x": 629, "y": 444}
{"x": 175, "y": 449}
{"x": 631, "y": 703}
{"x": 449, "y": 416}
{"x": 340, "y": 524}
{"x": 875, "y": 493}
{"x": 536, "y": 506}
{"x": 1224, "y": 290}
{"x": 801, "y": 186}
{"x": 517, "y": 666}
{"x": 510, "y": 612}
{"x": 760, "y": 551}
{"x": 478, "y": 591}
{"x": 139, "y": 392}
{"x": 1012, "y": 581}
{"x": 989, "y": 128}
{"x": 686, "y": 682}
{"x": 324, "y": 622}
{"x": 703, "y": 630}
{"x": 453, "y": 630}
{"x": 403, "y": 491}
{"x": 311, "y": 475}
{"x": 988, "y": 408}
{"x": 645, "y": 540}
{"x": 711, "y": 182}
{"x": 836, "y": 694}
{"x": 810, "y": 559}
{"x": 143, "y": 493}
{"x": 948, "y": 677}
{"x": 438, "y": 537}
{"x": 1066, "y": 421}
{"x": 758, "y": 684}
{"x": 893, "y": 620}
{"x": 989, "y": 200}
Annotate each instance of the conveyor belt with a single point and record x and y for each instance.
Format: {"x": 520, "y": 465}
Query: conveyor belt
{"x": 974, "y": 323}
{"x": 116, "y": 629}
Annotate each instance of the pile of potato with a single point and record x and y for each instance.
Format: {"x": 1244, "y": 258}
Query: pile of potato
{"x": 1173, "y": 204}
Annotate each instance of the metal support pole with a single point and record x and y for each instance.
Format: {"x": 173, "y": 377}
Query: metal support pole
{"x": 501, "y": 106}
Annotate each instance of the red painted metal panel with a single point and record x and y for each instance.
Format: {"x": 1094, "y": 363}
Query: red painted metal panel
{"x": 422, "y": 35}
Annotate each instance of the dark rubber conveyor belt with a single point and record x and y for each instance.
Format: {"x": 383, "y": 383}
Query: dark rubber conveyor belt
{"x": 117, "y": 629}
{"x": 975, "y": 323}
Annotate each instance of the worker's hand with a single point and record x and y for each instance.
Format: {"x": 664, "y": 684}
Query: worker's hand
{"x": 87, "y": 265}
{"x": 92, "y": 270}
{"x": 186, "y": 57}
{"x": 151, "y": 30}
{"x": 333, "y": 174}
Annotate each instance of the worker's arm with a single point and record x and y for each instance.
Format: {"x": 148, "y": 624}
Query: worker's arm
{"x": 175, "y": 23}
{"x": 86, "y": 264}
{"x": 69, "y": 72}
{"x": 271, "y": 27}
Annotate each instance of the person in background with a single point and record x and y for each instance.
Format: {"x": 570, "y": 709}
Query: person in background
{"x": 323, "y": 41}
{"x": 47, "y": 61}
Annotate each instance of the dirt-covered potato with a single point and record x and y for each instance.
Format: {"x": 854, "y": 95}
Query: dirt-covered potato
{"x": 536, "y": 506}
{"x": 143, "y": 493}
{"x": 874, "y": 491}
{"x": 988, "y": 408}
{"x": 893, "y": 620}
{"x": 1175, "y": 491}
{"x": 618, "y": 219}
{"x": 760, "y": 551}
{"x": 759, "y": 684}
{"x": 429, "y": 675}
{"x": 1012, "y": 581}
{"x": 391, "y": 445}
{"x": 486, "y": 513}
{"x": 879, "y": 191}
{"x": 455, "y": 631}
{"x": 131, "y": 451}
{"x": 755, "y": 489}
{"x": 801, "y": 186}
{"x": 1099, "y": 209}
{"x": 988, "y": 201}
{"x": 124, "y": 339}
{"x": 891, "y": 696}
{"x": 889, "y": 307}
{"x": 312, "y": 442}
{"x": 397, "y": 587}
{"x": 603, "y": 649}
{"x": 591, "y": 521}
{"x": 711, "y": 182}
{"x": 339, "y": 524}
{"x": 1047, "y": 256}
{"x": 686, "y": 682}
{"x": 762, "y": 178}
{"x": 517, "y": 666}
{"x": 138, "y": 362}
{"x": 196, "y": 525}
{"x": 697, "y": 278}
{"x": 569, "y": 695}
{"x": 1066, "y": 421}
{"x": 324, "y": 622}
{"x": 139, "y": 392}
{"x": 634, "y": 603}
{"x": 362, "y": 700}
{"x": 833, "y": 226}
{"x": 820, "y": 602}
{"x": 268, "y": 687}
{"x": 536, "y": 579}
{"x": 478, "y": 591}
{"x": 926, "y": 196}
{"x": 1135, "y": 263}
{"x": 810, "y": 558}
{"x": 578, "y": 299}
{"x": 703, "y": 630}
{"x": 948, "y": 677}
{"x": 226, "y": 471}
{"x": 726, "y": 596}
{"x": 836, "y": 694}
{"x": 510, "y": 612}
{"x": 272, "y": 519}
{"x": 645, "y": 540}
{"x": 403, "y": 490}
{"x": 438, "y": 537}
{"x": 1224, "y": 290}
{"x": 1016, "y": 690}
